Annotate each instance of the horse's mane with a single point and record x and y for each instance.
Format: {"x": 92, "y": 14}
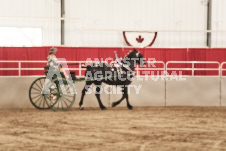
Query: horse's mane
{"x": 130, "y": 54}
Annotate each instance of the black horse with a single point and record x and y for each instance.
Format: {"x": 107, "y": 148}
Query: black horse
{"x": 119, "y": 76}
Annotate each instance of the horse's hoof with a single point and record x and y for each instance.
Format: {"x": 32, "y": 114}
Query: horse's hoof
{"x": 103, "y": 108}
{"x": 81, "y": 108}
{"x": 113, "y": 104}
{"x": 130, "y": 107}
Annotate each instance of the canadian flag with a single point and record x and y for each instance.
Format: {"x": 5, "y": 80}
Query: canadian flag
{"x": 139, "y": 39}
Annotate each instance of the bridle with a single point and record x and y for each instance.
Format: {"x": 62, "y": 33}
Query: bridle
{"x": 137, "y": 54}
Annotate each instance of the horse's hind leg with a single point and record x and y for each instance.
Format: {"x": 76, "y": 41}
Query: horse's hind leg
{"x": 125, "y": 95}
{"x": 97, "y": 93}
{"x": 119, "y": 101}
{"x": 127, "y": 100}
{"x": 85, "y": 89}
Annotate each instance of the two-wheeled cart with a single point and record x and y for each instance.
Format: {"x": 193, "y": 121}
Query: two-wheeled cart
{"x": 61, "y": 95}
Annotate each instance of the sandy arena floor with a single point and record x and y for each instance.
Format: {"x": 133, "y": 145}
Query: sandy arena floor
{"x": 144, "y": 129}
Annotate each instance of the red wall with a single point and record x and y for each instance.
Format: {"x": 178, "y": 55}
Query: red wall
{"x": 82, "y": 53}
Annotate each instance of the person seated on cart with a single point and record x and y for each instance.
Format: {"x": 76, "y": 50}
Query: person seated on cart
{"x": 53, "y": 71}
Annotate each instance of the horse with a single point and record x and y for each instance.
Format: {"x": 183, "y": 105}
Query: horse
{"x": 112, "y": 75}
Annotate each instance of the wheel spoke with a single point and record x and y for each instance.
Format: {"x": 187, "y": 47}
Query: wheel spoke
{"x": 65, "y": 102}
{"x": 71, "y": 96}
{"x": 37, "y": 100}
{"x": 35, "y": 88}
{"x": 58, "y": 104}
{"x": 62, "y": 104}
{"x": 35, "y": 93}
{"x": 38, "y": 86}
{"x": 40, "y": 102}
{"x": 43, "y": 103}
{"x": 68, "y": 99}
{"x": 36, "y": 96}
{"x": 41, "y": 82}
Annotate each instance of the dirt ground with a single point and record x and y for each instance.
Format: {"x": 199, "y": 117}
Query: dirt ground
{"x": 144, "y": 129}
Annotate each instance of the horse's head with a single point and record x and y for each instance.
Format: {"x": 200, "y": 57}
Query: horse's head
{"x": 137, "y": 57}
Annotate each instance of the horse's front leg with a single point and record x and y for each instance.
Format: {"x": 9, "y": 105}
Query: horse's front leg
{"x": 88, "y": 84}
{"x": 97, "y": 93}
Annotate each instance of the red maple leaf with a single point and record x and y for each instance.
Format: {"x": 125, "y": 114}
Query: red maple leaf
{"x": 140, "y": 39}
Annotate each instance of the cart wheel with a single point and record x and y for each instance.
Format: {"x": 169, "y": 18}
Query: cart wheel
{"x": 37, "y": 99}
{"x": 61, "y": 97}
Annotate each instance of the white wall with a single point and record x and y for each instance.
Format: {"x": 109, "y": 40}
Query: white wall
{"x": 119, "y": 15}
{"x": 194, "y": 91}
{"x": 219, "y": 23}
{"x": 33, "y": 8}
{"x": 136, "y": 15}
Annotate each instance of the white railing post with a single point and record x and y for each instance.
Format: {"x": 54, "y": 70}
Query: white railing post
{"x": 137, "y": 69}
{"x": 193, "y": 68}
{"x": 80, "y": 69}
{"x": 221, "y": 77}
{"x": 19, "y": 66}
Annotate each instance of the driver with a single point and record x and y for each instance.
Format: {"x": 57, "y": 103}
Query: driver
{"x": 54, "y": 69}
{"x": 52, "y": 60}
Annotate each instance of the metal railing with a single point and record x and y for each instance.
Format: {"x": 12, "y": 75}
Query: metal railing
{"x": 20, "y": 68}
{"x": 165, "y": 67}
{"x": 152, "y": 68}
{"x": 222, "y": 68}
{"x": 147, "y": 66}
{"x": 193, "y": 68}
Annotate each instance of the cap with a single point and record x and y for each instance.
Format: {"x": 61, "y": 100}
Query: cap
{"x": 52, "y": 50}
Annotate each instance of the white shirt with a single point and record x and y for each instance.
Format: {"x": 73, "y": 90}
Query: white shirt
{"x": 52, "y": 62}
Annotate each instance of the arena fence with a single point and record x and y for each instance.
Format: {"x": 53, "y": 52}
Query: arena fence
{"x": 193, "y": 83}
{"x": 20, "y": 66}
